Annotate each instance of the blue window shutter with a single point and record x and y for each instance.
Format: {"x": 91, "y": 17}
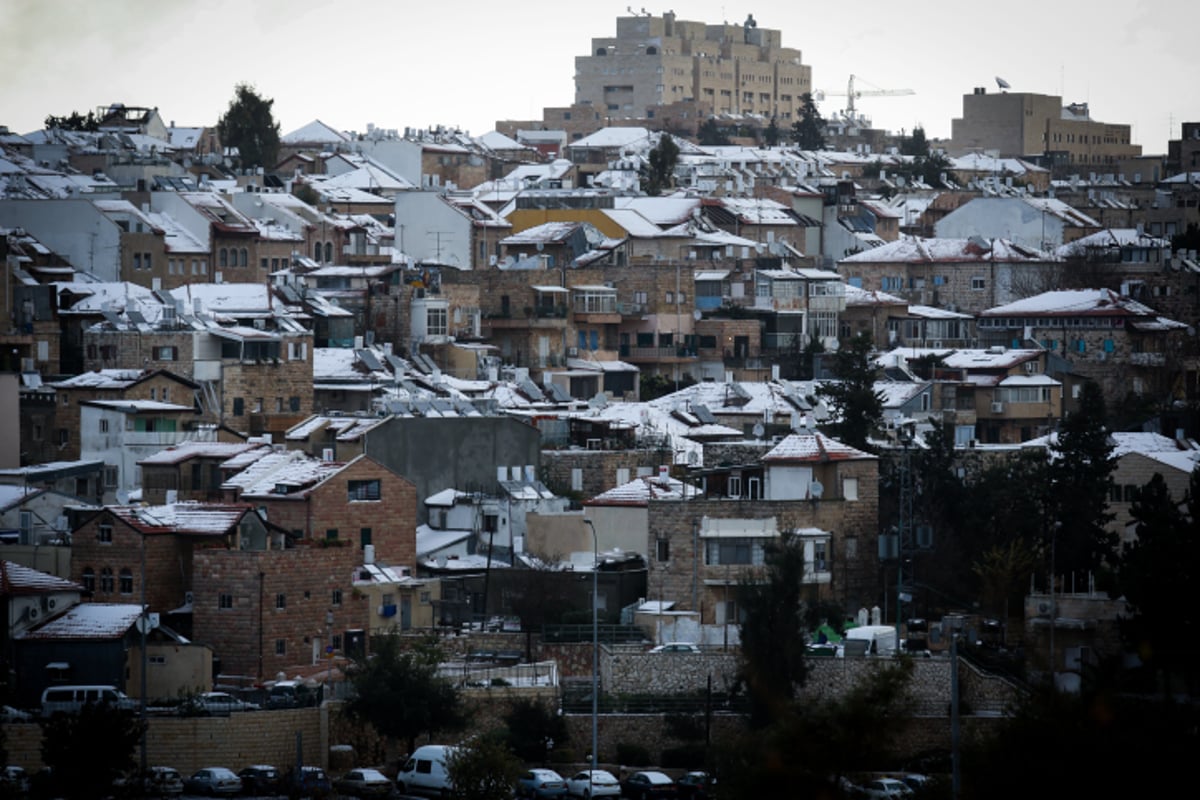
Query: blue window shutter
{"x": 595, "y": 340}
{"x": 583, "y": 340}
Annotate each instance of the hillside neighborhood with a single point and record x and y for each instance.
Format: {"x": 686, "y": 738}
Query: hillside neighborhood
{"x": 556, "y": 398}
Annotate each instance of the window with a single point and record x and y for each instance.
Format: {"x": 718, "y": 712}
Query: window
{"x": 363, "y": 490}
{"x": 239, "y": 406}
{"x": 166, "y": 353}
{"x": 281, "y": 647}
{"x": 335, "y": 598}
{"x": 224, "y": 601}
{"x": 364, "y": 536}
{"x": 281, "y": 601}
{"x": 576, "y": 479}
{"x": 435, "y": 322}
{"x": 104, "y": 533}
{"x": 106, "y": 581}
{"x": 978, "y": 283}
{"x": 110, "y": 476}
{"x": 424, "y": 598}
{"x": 243, "y": 258}
{"x": 222, "y": 258}
{"x": 331, "y": 534}
{"x": 104, "y": 425}
{"x": 89, "y": 579}
{"x": 733, "y": 551}
{"x": 126, "y": 581}
{"x": 662, "y": 550}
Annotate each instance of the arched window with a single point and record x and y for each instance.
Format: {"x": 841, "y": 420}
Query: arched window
{"x": 89, "y": 580}
{"x": 317, "y": 252}
{"x": 223, "y": 257}
{"x": 126, "y": 581}
{"x": 329, "y": 252}
{"x": 244, "y": 257}
{"x": 106, "y": 581}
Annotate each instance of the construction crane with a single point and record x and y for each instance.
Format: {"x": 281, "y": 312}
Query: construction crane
{"x": 852, "y": 93}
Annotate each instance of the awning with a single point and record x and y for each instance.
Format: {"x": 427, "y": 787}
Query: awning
{"x": 555, "y": 289}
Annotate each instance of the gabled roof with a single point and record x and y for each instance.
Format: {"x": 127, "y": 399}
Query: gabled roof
{"x": 812, "y": 448}
{"x": 917, "y": 250}
{"x": 89, "y": 621}
{"x": 640, "y": 491}
{"x": 194, "y": 519}
{"x": 1074, "y": 302}
{"x": 315, "y": 132}
{"x": 16, "y": 579}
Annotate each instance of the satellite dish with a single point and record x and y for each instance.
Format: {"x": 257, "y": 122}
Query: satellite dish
{"x": 541, "y": 246}
{"x": 441, "y": 562}
{"x": 696, "y": 315}
{"x": 759, "y": 430}
{"x": 122, "y": 497}
{"x": 692, "y": 458}
{"x": 815, "y": 490}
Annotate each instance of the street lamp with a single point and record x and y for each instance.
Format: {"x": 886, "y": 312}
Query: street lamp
{"x": 595, "y": 648}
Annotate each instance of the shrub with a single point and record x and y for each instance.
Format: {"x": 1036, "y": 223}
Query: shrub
{"x": 634, "y": 755}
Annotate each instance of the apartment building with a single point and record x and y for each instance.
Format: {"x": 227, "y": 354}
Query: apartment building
{"x": 656, "y": 61}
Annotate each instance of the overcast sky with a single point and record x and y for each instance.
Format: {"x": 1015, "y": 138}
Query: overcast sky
{"x": 469, "y": 63}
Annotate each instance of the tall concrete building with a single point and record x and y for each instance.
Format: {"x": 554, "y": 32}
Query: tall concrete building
{"x": 655, "y": 62}
{"x": 1028, "y": 125}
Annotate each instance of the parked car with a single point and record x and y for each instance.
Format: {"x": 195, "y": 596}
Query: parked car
{"x": 676, "y": 647}
{"x": 260, "y": 779}
{"x": 307, "y": 782}
{"x": 647, "y": 785}
{"x": 162, "y": 782}
{"x": 886, "y": 788}
{"x": 220, "y": 703}
{"x": 214, "y": 781}
{"x": 364, "y": 783}
{"x": 593, "y": 783}
{"x": 15, "y": 781}
{"x": 696, "y": 785}
{"x": 10, "y": 714}
{"x": 72, "y": 699}
{"x": 540, "y": 784}
{"x": 291, "y": 694}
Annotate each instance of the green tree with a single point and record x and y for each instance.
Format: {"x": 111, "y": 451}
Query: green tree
{"x": 1080, "y": 472}
{"x": 915, "y": 145}
{"x": 711, "y": 134}
{"x": 658, "y": 175}
{"x": 857, "y": 408}
{"x": 250, "y": 126}
{"x": 1157, "y": 575}
{"x": 89, "y": 750}
{"x": 483, "y": 769}
{"x": 531, "y": 727}
{"x": 74, "y": 122}
{"x": 399, "y": 693}
{"x": 773, "y": 630}
{"x": 808, "y": 132}
{"x": 772, "y": 134}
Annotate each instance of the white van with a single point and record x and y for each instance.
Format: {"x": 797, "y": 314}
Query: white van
{"x": 425, "y": 771}
{"x": 72, "y": 699}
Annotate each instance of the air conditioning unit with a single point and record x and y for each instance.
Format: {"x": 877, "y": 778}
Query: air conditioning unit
{"x": 49, "y": 603}
{"x": 997, "y": 408}
{"x": 937, "y": 345}
{"x": 33, "y": 612}
{"x": 572, "y": 352}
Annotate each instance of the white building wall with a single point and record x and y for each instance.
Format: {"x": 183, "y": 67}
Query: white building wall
{"x": 1001, "y": 218}
{"x": 788, "y": 482}
{"x": 427, "y": 229}
{"x": 74, "y": 229}
{"x": 184, "y": 214}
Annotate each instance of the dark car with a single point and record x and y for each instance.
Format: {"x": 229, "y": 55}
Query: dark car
{"x": 647, "y": 785}
{"x": 697, "y": 785}
{"x": 260, "y": 779}
{"x": 308, "y": 782}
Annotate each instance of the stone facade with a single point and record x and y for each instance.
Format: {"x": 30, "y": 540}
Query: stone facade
{"x": 587, "y": 473}
{"x": 852, "y": 557}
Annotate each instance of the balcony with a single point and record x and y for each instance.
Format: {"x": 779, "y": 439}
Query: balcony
{"x": 657, "y": 355}
{"x": 1147, "y": 359}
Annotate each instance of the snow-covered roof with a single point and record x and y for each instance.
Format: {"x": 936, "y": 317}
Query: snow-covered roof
{"x": 17, "y": 579}
{"x": 197, "y": 519}
{"x": 640, "y": 491}
{"x": 315, "y": 132}
{"x": 430, "y": 540}
{"x": 12, "y": 494}
{"x": 188, "y": 450}
{"x": 856, "y": 296}
{"x": 1074, "y": 302}
{"x": 89, "y": 621}
{"x": 812, "y": 447}
{"x": 918, "y": 250}
{"x": 294, "y": 469}
{"x": 445, "y": 498}
{"x": 614, "y": 137}
{"x": 1112, "y": 238}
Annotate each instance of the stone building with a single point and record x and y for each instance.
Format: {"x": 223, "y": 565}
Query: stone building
{"x": 702, "y": 548}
